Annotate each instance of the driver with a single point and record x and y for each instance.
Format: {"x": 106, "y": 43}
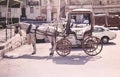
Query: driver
{"x": 69, "y": 25}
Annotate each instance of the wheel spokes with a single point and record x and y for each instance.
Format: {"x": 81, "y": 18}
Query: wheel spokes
{"x": 92, "y": 46}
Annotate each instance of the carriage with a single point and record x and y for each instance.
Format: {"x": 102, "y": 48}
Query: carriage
{"x": 76, "y": 32}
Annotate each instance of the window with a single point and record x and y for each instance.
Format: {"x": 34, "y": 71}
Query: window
{"x": 31, "y": 10}
{"x": 97, "y": 29}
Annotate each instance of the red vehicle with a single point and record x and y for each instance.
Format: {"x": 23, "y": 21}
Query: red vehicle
{"x": 40, "y": 18}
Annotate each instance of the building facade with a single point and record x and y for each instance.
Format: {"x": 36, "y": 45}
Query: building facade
{"x": 56, "y": 9}
{"x": 98, "y": 6}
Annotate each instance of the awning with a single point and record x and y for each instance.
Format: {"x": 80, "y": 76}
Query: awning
{"x": 12, "y": 3}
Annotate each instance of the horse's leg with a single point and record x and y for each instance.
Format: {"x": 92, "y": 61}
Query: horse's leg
{"x": 52, "y": 45}
{"x": 33, "y": 39}
{"x": 53, "y": 42}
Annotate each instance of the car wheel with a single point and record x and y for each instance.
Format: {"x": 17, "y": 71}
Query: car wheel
{"x": 105, "y": 40}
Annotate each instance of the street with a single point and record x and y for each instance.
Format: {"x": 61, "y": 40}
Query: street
{"x": 20, "y": 62}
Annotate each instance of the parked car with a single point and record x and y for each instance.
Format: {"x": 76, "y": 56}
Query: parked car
{"x": 40, "y": 18}
{"x": 101, "y": 32}
{"x": 104, "y": 34}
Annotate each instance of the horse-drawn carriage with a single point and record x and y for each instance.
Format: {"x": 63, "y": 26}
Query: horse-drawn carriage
{"x": 77, "y": 32}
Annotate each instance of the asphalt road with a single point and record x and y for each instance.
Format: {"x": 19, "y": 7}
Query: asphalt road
{"x": 77, "y": 64}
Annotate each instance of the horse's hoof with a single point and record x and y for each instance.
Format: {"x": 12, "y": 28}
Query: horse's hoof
{"x": 33, "y": 53}
{"x": 51, "y": 54}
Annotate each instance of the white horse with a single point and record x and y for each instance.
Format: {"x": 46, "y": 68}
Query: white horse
{"x": 50, "y": 32}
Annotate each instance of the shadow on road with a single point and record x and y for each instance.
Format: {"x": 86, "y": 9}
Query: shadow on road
{"x": 75, "y": 59}
{"x": 76, "y": 49}
{"x": 110, "y": 43}
{"x": 68, "y": 60}
{"x": 34, "y": 57}
{"x": 72, "y": 59}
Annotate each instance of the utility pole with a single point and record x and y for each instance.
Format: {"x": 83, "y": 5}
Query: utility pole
{"x": 48, "y": 11}
{"x": 7, "y": 17}
{"x": 58, "y": 11}
{"x": 106, "y": 17}
{"x": 92, "y": 5}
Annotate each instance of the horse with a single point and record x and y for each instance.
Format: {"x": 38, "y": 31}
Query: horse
{"x": 50, "y": 32}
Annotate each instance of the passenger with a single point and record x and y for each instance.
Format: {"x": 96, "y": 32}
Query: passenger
{"x": 72, "y": 20}
{"x": 86, "y": 21}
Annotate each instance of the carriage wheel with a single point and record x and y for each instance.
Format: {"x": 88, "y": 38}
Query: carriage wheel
{"x": 92, "y": 46}
{"x": 63, "y": 47}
